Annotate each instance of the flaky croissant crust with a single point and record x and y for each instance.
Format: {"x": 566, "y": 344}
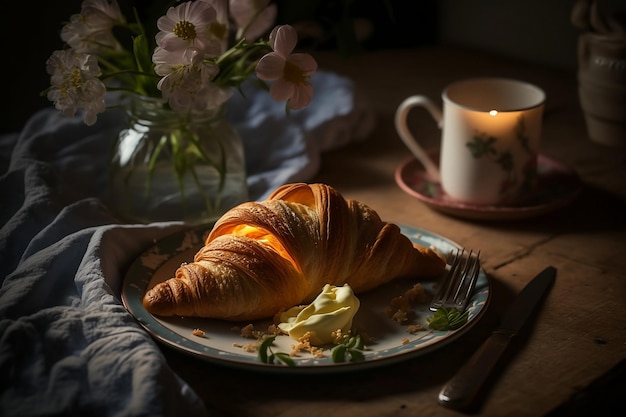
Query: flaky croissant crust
{"x": 263, "y": 257}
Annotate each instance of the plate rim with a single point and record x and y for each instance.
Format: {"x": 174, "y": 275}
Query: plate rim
{"x": 147, "y": 321}
{"x": 489, "y": 212}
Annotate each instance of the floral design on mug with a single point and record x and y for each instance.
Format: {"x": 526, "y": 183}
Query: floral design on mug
{"x": 482, "y": 146}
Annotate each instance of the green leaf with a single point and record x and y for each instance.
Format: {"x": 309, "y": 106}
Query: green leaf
{"x": 263, "y": 349}
{"x": 285, "y": 358}
{"x": 447, "y": 319}
{"x": 482, "y": 145}
{"x": 350, "y": 349}
{"x": 266, "y": 355}
{"x": 339, "y": 353}
{"x": 356, "y": 355}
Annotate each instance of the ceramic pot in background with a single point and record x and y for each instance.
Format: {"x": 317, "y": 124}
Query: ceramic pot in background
{"x": 602, "y": 87}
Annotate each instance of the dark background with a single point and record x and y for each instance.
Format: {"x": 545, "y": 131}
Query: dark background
{"x": 531, "y": 31}
{"x": 536, "y": 31}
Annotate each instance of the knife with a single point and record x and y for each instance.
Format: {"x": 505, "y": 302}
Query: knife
{"x": 461, "y": 392}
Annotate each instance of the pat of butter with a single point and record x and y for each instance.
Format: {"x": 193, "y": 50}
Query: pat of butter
{"x": 333, "y": 309}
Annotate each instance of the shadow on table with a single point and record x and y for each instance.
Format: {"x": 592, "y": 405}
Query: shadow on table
{"x": 595, "y": 210}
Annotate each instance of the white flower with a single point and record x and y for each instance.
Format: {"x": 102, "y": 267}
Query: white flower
{"x": 253, "y": 17}
{"x": 75, "y": 84}
{"x": 196, "y": 65}
{"x": 187, "y": 81}
{"x": 91, "y": 30}
{"x": 188, "y": 91}
{"x": 186, "y": 26}
{"x": 166, "y": 62}
{"x": 289, "y": 72}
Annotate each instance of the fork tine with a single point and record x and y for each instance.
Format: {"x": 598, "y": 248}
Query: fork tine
{"x": 469, "y": 278}
{"x": 447, "y": 283}
{"x": 458, "y": 284}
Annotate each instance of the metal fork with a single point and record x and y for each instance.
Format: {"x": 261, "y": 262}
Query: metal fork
{"x": 457, "y": 286}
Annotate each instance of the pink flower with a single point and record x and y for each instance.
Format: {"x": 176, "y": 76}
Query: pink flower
{"x": 253, "y": 17}
{"x": 289, "y": 72}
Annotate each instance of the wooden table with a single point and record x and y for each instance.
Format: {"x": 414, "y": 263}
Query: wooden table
{"x": 568, "y": 361}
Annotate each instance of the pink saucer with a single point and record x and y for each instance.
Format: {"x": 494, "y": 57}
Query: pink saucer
{"x": 557, "y": 186}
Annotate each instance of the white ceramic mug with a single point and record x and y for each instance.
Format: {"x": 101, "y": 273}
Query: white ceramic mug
{"x": 491, "y": 133}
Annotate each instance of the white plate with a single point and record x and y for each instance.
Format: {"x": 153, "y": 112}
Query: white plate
{"x": 391, "y": 344}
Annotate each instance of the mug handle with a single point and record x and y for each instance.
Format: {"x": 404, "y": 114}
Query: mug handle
{"x": 408, "y": 138}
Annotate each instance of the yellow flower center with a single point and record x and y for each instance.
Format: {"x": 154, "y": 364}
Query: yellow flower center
{"x": 75, "y": 79}
{"x": 294, "y": 74}
{"x": 185, "y": 30}
{"x": 218, "y": 30}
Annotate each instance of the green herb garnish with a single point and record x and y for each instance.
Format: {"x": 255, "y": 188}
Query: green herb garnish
{"x": 350, "y": 350}
{"x": 267, "y": 355}
{"x": 447, "y": 319}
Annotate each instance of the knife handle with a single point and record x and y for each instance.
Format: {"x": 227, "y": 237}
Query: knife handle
{"x": 461, "y": 391}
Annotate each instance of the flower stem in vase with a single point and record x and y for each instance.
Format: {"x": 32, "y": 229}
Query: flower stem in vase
{"x": 173, "y": 167}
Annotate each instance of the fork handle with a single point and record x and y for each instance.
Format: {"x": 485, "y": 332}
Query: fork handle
{"x": 463, "y": 389}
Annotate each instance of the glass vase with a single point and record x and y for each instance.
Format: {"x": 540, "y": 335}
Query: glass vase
{"x": 168, "y": 166}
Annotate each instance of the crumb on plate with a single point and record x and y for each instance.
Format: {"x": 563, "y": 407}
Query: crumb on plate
{"x": 248, "y": 347}
{"x": 304, "y": 345}
{"x": 198, "y": 332}
{"x": 414, "y": 328}
{"x": 399, "y": 307}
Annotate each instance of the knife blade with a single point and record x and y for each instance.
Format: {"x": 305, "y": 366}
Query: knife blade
{"x": 461, "y": 392}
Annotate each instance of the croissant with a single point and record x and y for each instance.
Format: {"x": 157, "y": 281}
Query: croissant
{"x": 264, "y": 257}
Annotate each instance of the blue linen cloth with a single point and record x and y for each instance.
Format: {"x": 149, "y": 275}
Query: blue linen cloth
{"x": 67, "y": 345}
